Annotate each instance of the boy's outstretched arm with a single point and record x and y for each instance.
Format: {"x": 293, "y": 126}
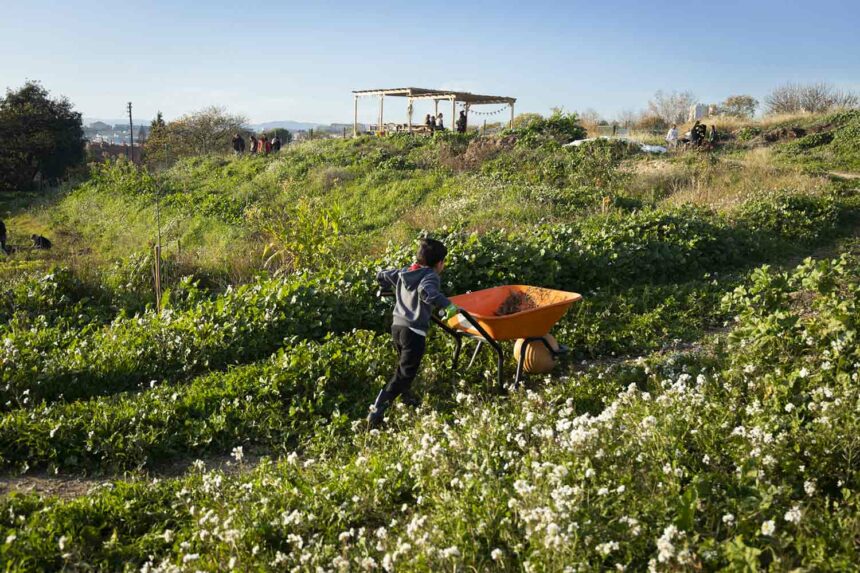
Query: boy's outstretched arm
{"x": 387, "y": 279}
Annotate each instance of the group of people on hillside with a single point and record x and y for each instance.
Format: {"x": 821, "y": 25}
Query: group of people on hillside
{"x": 262, "y": 144}
{"x": 698, "y": 136}
{"x": 436, "y": 123}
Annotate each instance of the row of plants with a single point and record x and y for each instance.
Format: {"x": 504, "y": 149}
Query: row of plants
{"x": 248, "y": 323}
{"x": 740, "y": 457}
{"x": 254, "y": 405}
{"x": 244, "y": 324}
{"x": 274, "y": 402}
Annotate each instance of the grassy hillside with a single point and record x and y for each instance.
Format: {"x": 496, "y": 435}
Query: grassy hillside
{"x": 705, "y": 418}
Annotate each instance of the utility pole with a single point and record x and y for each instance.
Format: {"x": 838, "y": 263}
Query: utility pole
{"x": 130, "y": 134}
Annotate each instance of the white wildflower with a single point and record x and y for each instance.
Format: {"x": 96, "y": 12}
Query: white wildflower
{"x": 238, "y": 454}
{"x": 665, "y": 547}
{"x": 793, "y": 515}
{"x": 607, "y": 548}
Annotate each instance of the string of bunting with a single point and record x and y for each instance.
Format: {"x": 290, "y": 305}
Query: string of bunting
{"x": 495, "y": 112}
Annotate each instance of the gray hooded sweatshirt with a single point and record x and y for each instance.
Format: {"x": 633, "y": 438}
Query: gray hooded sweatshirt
{"x": 417, "y": 292}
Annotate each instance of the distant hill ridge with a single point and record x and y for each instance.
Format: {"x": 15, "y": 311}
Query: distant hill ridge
{"x": 285, "y": 124}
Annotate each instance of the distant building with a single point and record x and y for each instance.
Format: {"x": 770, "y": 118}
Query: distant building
{"x": 698, "y": 111}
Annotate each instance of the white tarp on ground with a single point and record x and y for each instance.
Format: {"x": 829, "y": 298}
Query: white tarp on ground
{"x": 642, "y": 146}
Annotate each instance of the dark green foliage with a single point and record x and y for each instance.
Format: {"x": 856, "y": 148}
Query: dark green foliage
{"x": 748, "y": 132}
{"x": 792, "y": 216}
{"x": 560, "y": 127}
{"x": 834, "y": 144}
{"x": 39, "y": 135}
{"x": 275, "y": 402}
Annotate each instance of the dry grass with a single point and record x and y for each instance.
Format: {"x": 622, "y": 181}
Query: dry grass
{"x": 722, "y": 184}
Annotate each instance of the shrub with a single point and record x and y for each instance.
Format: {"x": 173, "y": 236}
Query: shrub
{"x": 560, "y": 127}
{"x": 792, "y": 216}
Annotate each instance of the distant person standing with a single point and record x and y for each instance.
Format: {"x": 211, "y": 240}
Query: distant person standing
{"x": 252, "y": 141}
{"x": 440, "y": 125}
{"x": 672, "y": 136}
{"x": 238, "y": 144}
{"x": 712, "y": 136}
{"x": 432, "y": 123}
{"x": 267, "y": 145}
{"x": 461, "y": 122}
{"x": 3, "y": 237}
{"x": 276, "y": 143}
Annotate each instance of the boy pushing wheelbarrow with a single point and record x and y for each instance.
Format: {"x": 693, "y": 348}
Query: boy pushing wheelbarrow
{"x": 417, "y": 293}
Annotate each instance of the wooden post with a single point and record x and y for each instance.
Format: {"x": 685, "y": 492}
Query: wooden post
{"x": 379, "y": 127}
{"x": 355, "y": 117}
{"x": 435, "y": 108}
{"x": 511, "y": 126}
{"x": 453, "y": 112}
{"x": 409, "y": 114}
{"x": 158, "y": 278}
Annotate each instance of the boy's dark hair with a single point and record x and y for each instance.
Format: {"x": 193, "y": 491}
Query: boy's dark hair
{"x": 430, "y": 252}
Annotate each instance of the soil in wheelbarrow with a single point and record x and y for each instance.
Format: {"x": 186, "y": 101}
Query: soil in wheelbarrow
{"x": 522, "y": 301}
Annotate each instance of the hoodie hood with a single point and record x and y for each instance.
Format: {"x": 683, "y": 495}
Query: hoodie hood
{"x": 412, "y": 276}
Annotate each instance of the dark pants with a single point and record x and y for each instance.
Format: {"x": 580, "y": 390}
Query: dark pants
{"x": 410, "y": 348}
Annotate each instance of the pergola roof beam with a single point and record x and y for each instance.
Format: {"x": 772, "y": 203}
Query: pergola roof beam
{"x": 421, "y": 93}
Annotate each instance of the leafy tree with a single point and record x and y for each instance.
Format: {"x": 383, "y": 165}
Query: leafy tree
{"x": 38, "y": 136}
{"x": 673, "y": 107}
{"x": 739, "y": 106}
{"x": 157, "y": 148}
{"x": 811, "y": 98}
{"x": 284, "y": 134}
{"x": 206, "y": 131}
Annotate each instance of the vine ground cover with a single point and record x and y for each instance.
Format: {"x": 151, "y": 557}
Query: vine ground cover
{"x": 740, "y": 454}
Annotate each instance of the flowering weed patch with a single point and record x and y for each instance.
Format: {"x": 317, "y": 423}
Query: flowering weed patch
{"x": 741, "y": 456}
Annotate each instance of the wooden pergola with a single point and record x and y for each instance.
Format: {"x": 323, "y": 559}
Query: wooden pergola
{"x": 412, "y": 94}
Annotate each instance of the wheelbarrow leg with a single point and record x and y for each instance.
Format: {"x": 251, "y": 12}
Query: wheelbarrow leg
{"x": 520, "y": 361}
{"x": 475, "y": 354}
{"x": 501, "y": 365}
{"x": 458, "y": 345}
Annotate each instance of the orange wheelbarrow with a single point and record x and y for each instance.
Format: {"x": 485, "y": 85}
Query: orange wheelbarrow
{"x": 507, "y": 313}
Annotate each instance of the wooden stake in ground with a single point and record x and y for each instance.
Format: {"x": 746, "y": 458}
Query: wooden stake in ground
{"x": 158, "y": 278}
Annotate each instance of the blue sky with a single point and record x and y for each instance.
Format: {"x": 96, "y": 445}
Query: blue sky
{"x": 281, "y": 60}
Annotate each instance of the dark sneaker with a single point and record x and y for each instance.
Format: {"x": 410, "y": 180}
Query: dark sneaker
{"x": 410, "y": 399}
{"x": 374, "y": 422}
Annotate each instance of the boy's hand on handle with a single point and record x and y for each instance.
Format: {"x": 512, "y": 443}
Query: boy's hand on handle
{"x": 450, "y": 311}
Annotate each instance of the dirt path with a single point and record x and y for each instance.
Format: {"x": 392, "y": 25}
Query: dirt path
{"x": 844, "y": 174}
{"x": 71, "y": 486}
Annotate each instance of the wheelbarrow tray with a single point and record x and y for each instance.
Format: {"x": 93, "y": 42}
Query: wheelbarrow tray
{"x": 534, "y": 322}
